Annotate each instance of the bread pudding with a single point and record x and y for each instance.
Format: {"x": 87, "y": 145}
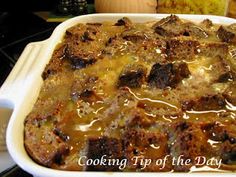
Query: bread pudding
{"x": 156, "y": 97}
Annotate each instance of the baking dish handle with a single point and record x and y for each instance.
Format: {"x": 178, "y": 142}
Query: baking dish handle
{"x": 12, "y": 90}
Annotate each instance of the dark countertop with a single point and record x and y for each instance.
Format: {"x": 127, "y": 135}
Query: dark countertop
{"x": 15, "y": 171}
{"x": 16, "y": 31}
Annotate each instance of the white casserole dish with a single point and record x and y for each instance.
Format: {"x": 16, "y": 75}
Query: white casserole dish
{"x": 20, "y": 91}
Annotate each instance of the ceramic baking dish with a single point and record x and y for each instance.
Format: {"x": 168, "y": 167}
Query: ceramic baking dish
{"x": 20, "y": 91}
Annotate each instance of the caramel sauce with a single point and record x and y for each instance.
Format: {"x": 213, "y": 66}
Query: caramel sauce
{"x": 89, "y": 119}
{"x": 82, "y": 119}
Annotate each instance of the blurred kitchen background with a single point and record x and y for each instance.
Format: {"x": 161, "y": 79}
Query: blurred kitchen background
{"x": 24, "y": 21}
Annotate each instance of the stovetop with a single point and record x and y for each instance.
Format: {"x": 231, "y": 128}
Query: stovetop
{"x": 16, "y": 31}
